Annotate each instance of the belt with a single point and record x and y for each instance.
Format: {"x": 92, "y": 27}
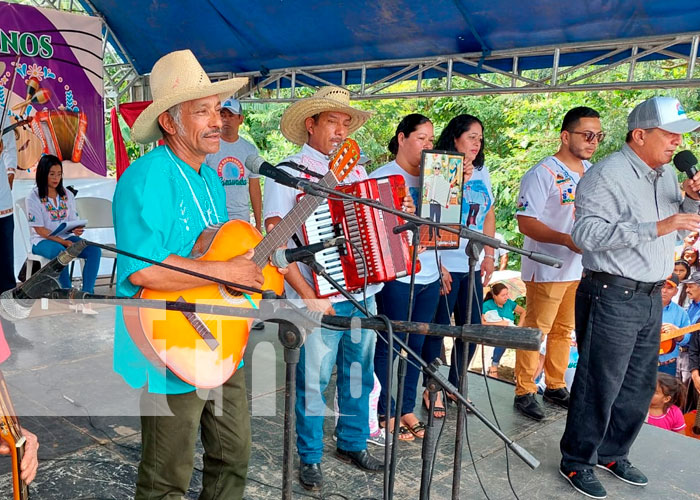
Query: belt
{"x": 683, "y": 349}
{"x": 611, "y": 279}
{"x": 6, "y": 211}
{"x": 669, "y": 362}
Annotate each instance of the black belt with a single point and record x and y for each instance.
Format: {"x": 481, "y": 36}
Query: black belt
{"x": 683, "y": 349}
{"x": 611, "y": 279}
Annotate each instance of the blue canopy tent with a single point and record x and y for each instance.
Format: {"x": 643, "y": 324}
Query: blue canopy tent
{"x": 365, "y": 42}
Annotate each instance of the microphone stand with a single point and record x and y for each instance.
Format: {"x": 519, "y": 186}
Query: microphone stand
{"x": 473, "y": 250}
{"x": 431, "y": 371}
{"x": 463, "y": 231}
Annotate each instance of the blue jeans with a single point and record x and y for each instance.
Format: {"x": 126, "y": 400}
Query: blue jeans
{"x": 456, "y": 301}
{"x": 617, "y": 330}
{"x": 50, "y": 249}
{"x": 353, "y": 353}
{"x": 393, "y": 301}
{"x": 497, "y": 355}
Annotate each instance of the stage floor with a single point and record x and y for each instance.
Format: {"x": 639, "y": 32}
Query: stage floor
{"x": 65, "y": 391}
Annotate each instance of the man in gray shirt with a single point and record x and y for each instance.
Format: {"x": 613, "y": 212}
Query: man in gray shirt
{"x": 242, "y": 187}
{"x": 627, "y": 215}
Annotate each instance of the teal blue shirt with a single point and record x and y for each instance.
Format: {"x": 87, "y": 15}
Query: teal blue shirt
{"x": 161, "y": 205}
{"x": 507, "y": 311}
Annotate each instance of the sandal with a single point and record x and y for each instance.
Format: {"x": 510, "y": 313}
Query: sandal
{"x": 404, "y": 433}
{"x": 418, "y": 429}
{"x": 438, "y": 411}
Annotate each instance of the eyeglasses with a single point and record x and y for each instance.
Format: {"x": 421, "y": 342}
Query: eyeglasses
{"x": 589, "y": 136}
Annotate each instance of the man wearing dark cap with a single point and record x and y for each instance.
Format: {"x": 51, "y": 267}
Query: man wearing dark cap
{"x": 628, "y": 210}
{"x": 673, "y": 318}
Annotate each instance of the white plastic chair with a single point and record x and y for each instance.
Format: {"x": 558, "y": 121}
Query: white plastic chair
{"x": 98, "y": 212}
{"x": 23, "y": 226}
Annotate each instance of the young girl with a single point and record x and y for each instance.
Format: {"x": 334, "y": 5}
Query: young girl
{"x": 682, "y": 269}
{"x": 664, "y": 410}
{"x": 499, "y": 309}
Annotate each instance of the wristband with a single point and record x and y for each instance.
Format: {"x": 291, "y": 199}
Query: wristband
{"x": 489, "y": 257}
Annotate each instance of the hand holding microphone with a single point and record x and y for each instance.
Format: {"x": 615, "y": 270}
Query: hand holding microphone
{"x": 686, "y": 162}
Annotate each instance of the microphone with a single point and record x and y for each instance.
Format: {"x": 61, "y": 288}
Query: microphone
{"x": 257, "y": 164}
{"x": 686, "y": 162}
{"x": 282, "y": 258}
{"x": 17, "y": 303}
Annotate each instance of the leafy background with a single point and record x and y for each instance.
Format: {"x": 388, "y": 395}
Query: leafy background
{"x": 520, "y": 129}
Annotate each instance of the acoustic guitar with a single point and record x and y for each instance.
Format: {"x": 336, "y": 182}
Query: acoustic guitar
{"x": 205, "y": 350}
{"x": 668, "y": 340}
{"x": 11, "y": 432}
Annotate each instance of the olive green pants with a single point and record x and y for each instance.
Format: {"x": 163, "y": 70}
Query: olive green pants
{"x": 169, "y": 425}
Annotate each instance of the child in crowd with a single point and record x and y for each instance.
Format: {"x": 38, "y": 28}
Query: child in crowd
{"x": 665, "y": 408}
{"x": 499, "y": 309}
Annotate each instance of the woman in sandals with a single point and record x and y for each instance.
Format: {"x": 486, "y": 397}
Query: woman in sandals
{"x": 413, "y": 134}
{"x": 464, "y": 134}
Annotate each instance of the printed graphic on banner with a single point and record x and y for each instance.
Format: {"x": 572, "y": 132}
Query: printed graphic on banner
{"x": 441, "y": 178}
{"x": 51, "y": 87}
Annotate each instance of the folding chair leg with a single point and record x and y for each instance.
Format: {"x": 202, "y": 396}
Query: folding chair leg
{"x": 114, "y": 272}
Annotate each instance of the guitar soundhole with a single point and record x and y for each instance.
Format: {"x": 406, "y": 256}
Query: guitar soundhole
{"x": 233, "y": 292}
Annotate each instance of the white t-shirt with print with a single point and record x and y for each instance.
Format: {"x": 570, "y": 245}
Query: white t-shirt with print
{"x": 48, "y": 213}
{"x": 278, "y": 201}
{"x": 477, "y": 200}
{"x": 8, "y": 163}
{"x": 429, "y": 269}
{"x": 229, "y": 163}
{"x": 547, "y": 193}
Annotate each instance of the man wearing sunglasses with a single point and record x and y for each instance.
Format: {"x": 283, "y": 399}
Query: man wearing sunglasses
{"x": 628, "y": 210}
{"x": 545, "y": 216}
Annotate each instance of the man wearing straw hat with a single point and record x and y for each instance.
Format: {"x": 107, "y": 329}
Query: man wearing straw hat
{"x": 319, "y": 124}
{"x": 162, "y": 203}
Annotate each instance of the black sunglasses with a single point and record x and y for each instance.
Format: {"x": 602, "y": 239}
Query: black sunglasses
{"x": 589, "y": 136}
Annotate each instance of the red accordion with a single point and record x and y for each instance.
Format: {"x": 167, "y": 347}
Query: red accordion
{"x": 385, "y": 255}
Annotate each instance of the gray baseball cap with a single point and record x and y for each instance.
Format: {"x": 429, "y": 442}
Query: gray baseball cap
{"x": 694, "y": 278}
{"x": 665, "y": 113}
{"x": 233, "y": 105}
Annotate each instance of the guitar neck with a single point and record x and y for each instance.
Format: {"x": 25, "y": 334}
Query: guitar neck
{"x": 11, "y": 432}
{"x": 279, "y": 235}
{"x": 680, "y": 332}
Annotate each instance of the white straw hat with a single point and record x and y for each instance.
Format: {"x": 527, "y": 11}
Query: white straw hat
{"x": 325, "y": 99}
{"x": 175, "y": 78}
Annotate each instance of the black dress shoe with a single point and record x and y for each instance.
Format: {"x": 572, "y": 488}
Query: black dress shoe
{"x": 310, "y": 476}
{"x": 528, "y": 406}
{"x": 361, "y": 458}
{"x": 557, "y": 396}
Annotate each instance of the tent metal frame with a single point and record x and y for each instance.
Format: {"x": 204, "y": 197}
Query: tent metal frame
{"x": 617, "y": 61}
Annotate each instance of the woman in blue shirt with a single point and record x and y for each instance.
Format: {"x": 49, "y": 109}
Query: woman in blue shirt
{"x": 500, "y": 309}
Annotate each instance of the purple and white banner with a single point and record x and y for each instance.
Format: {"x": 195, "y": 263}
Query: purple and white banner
{"x": 51, "y": 87}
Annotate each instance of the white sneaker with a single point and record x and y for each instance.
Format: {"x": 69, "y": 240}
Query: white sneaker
{"x": 378, "y": 438}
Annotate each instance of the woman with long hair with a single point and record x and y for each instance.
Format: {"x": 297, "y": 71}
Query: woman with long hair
{"x": 48, "y": 206}
{"x": 413, "y": 134}
{"x": 465, "y": 134}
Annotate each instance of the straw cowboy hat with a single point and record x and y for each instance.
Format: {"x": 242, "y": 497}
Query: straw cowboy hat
{"x": 325, "y": 99}
{"x": 175, "y": 78}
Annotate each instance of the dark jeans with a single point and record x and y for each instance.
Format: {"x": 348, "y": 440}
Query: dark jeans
{"x": 7, "y": 264}
{"x": 169, "y": 429}
{"x": 393, "y": 301}
{"x": 617, "y": 331}
{"x": 456, "y": 301}
{"x": 7, "y": 256}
